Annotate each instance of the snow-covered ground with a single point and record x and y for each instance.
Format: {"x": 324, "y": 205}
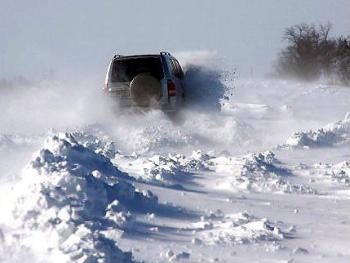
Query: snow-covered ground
{"x": 265, "y": 177}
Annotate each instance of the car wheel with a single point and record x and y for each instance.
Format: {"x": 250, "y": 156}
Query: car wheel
{"x": 145, "y": 89}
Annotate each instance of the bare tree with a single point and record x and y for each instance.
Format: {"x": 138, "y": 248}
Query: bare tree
{"x": 342, "y": 59}
{"x": 310, "y": 52}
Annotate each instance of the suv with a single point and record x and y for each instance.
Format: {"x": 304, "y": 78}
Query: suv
{"x": 150, "y": 81}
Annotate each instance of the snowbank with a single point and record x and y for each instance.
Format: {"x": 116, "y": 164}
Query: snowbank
{"x": 100, "y": 145}
{"x": 260, "y": 172}
{"x": 163, "y": 170}
{"x": 156, "y": 169}
{"x": 240, "y": 228}
{"x": 71, "y": 204}
{"x": 331, "y": 134}
{"x": 337, "y": 173}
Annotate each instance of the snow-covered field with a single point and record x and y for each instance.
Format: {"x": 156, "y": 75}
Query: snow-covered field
{"x": 254, "y": 171}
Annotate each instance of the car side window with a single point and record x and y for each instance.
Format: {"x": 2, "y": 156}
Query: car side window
{"x": 173, "y": 67}
{"x": 180, "y": 72}
{"x": 176, "y": 69}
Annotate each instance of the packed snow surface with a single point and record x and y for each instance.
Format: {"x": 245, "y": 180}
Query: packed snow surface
{"x": 251, "y": 171}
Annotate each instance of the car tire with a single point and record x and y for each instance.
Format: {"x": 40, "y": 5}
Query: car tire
{"x": 145, "y": 89}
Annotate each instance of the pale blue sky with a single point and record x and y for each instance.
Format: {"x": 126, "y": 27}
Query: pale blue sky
{"x": 80, "y": 36}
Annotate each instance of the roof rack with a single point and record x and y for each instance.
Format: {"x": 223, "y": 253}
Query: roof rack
{"x": 117, "y": 56}
{"x": 165, "y": 53}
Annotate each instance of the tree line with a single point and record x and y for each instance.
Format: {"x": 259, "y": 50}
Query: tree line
{"x": 311, "y": 53}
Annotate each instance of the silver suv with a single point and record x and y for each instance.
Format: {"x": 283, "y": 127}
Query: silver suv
{"x": 151, "y": 81}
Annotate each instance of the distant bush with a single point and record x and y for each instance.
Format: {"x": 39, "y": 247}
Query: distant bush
{"x": 342, "y": 59}
{"x": 312, "y": 53}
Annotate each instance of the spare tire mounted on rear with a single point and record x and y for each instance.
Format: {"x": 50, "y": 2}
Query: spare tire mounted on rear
{"x": 145, "y": 89}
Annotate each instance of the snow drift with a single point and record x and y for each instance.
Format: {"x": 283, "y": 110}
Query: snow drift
{"x": 336, "y": 173}
{"x": 260, "y": 172}
{"x": 240, "y": 228}
{"x": 256, "y": 172}
{"x": 73, "y": 198}
{"x": 330, "y": 135}
{"x": 170, "y": 170}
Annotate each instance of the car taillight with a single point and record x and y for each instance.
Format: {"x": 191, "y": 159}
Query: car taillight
{"x": 171, "y": 88}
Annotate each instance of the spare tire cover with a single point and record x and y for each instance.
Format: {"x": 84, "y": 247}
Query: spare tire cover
{"x": 145, "y": 89}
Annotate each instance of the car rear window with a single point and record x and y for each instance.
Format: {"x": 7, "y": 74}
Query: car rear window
{"x": 125, "y": 69}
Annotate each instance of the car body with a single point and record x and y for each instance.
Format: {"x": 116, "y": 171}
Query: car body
{"x": 146, "y": 81}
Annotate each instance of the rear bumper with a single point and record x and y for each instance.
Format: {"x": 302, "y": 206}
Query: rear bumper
{"x": 163, "y": 105}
